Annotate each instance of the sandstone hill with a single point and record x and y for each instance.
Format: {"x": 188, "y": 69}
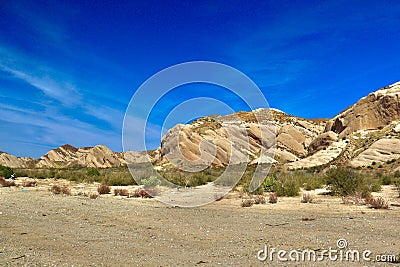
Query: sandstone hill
{"x": 14, "y": 162}
{"x": 365, "y": 134}
{"x": 99, "y": 156}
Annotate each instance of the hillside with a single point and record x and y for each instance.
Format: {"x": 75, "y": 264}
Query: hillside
{"x": 365, "y": 134}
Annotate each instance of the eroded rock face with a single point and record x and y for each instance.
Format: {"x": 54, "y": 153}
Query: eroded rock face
{"x": 12, "y": 161}
{"x": 381, "y": 151}
{"x": 322, "y": 142}
{"x": 99, "y": 156}
{"x": 238, "y": 138}
{"x": 374, "y": 111}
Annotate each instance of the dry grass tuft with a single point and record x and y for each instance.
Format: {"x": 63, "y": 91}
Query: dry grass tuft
{"x": 30, "y": 184}
{"x": 56, "y": 189}
{"x": 307, "y": 198}
{"x": 103, "y": 189}
{"x": 259, "y": 199}
{"x": 6, "y": 183}
{"x": 247, "y": 203}
{"x": 273, "y": 198}
{"x": 121, "y": 192}
{"x": 378, "y": 203}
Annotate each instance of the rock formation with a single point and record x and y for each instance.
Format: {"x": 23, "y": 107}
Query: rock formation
{"x": 366, "y": 132}
{"x": 372, "y": 112}
{"x": 99, "y": 156}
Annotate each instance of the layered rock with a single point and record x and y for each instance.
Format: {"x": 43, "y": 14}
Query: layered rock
{"x": 14, "y": 162}
{"x": 374, "y": 111}
{"x": 240, "y": 137}
{"x": 99, "y": 156}
{"x": 381, "y": 151}
{"x": 322, "y": 141}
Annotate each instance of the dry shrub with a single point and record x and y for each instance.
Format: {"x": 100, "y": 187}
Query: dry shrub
{"x": 103, "y": 189}
{"x": 378, "y": 203}
{"x": 354, "y": 200}
{"x": 121, "y": 192}
{"x": 136, "y": 193}
{"x": 247, "y": 203}
{"x": 145, "y": 193}
{"x": 30, "y": 184}
{"x": 6, "y": 183}
{"x": 259, "y": 199}
{"x": 94, "y": 195}
{"x": 56, "y": 189}
{"x": 307, "y": 198}
{"x": 273, "y": 198}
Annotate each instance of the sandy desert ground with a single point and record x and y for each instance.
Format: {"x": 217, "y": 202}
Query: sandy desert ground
{"x": 38, "y": 228}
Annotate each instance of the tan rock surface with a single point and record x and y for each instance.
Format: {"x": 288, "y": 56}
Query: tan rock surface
{"x": 11, "y": 161}
{"x": 99, "y": 156}
{"x": 381, "y": 151}
{"x": 374, "y": 111}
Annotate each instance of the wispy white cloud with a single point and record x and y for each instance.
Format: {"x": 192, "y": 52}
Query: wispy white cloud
{"x": 58, "y": 86}
{"x": 60, "y": 91}
{"x": 56, "y": 129}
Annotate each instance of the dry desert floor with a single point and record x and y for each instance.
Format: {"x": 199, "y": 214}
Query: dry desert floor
{"x": 38, "y": 228}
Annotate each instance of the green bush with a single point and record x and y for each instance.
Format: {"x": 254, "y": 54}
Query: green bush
{"x": 6, "y": 172}
{"x": 288, "y": 186}
{"x": 386, "y": 180}
{"x": 345, "y": 182}
{"x": 153, "y": 181}
{"x": 270, "y": 184}
{"x": 92, "y": 172}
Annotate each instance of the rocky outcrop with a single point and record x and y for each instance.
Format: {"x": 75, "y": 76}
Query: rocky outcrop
{"x": 321, "y": 157}
{"x": 14, "y": 162}
{"x": 374, "y": 111}
{"x": 99, "y": 156}
{"x": 240, "y": 137}
{"x": 379, "y": 152}
{"x": 322, "y": 142}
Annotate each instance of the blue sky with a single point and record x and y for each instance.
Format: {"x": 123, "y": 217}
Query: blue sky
{"x": 68, "y": 69}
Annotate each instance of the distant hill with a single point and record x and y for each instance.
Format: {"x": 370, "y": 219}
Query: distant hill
{"x": 365, "y": 134}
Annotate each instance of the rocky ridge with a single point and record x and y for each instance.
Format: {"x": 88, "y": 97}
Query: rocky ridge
{"x": 364, "y": 134}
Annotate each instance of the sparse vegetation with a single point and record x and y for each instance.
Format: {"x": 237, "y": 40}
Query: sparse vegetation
{"x": 92, "y": 172}
{"x": 6, "y": 172}
{"x": 288, "y": 186}
{"x": 93, "y": 195}
{"x": 109, "y": 176}
{"x": 259, "y": 199}
{"x": 29, "y": 184}
{"x": 121, "y": 192}
{"x": 353, "y": 200}
{"x": 152, "y": 181}
{"x": 378, "y": 203}
{"x": 307, "y": 198}
{"x": 103, "y": 189}
{"x": 146, "y": 193}
{"x": 347, "y": 182}
{"x": 273, "y": 198}
{"x": 57, "y": 189}
{"x": 6, "y": 183}
{"x": 398, "y": 187}
{"x": 247, "y": 203}
{"x": 386, "y": 180}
